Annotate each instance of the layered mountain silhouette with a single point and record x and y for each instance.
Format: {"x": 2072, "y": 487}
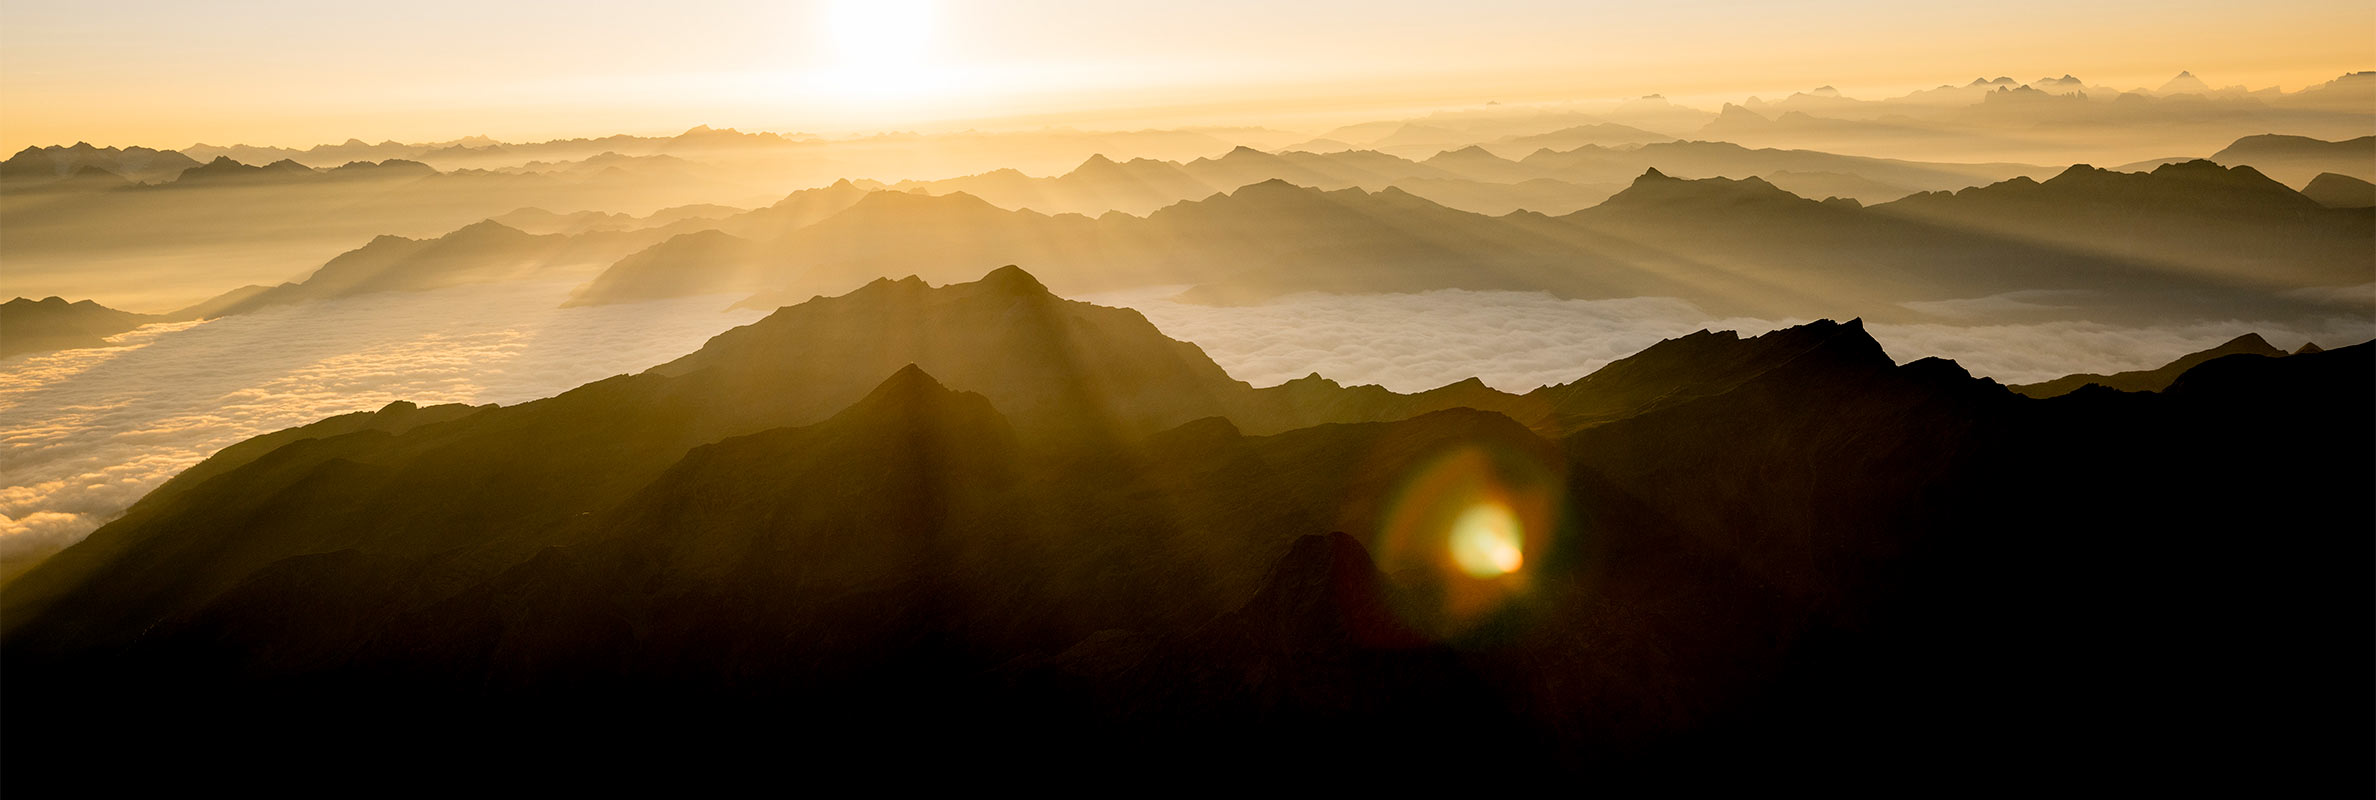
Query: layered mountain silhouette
{"x": 482, "y": 252}
{"x": 2195, "y": 217}
{"x": 37, "y": 165}
{"x": 2159, "y": 378}
{"x": 1476, "y": 178}
{"x": 51, "y": 323}
{"x": 2163, "y": 242}
{"x": 2297, "y": 160}
{"x": 2340, "y": 191}
{"x": 944, "y": 513}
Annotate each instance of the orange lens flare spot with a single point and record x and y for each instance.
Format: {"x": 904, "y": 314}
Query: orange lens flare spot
{"x": 1487, "y": 540}
{"x": 1464, "y": 530}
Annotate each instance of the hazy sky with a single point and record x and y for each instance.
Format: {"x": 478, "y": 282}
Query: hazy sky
{"x": 169, "y": 74}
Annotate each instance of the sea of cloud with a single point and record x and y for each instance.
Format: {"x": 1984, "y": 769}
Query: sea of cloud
{"x": 84, "y": 433}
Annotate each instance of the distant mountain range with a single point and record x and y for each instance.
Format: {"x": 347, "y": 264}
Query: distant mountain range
{"x": 51, "y": 323}
{"x": 2340, "y": 191}
{"x": 2146, "y": 242}
{"x": 997, "y": 522}
{"x": 1471, "y": 178}
{"x": 2296, "y": 160}
{"x": 2160, "y": 378}
{"x": 85, "y": 163}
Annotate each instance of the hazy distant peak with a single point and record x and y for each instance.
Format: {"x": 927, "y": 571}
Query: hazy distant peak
{"x": 1655, "y": 189}
{"x": 484, "y": 231}
{"x": 1095, "y": 160}
{"x": 2184, "y": 83}
{"x": 1011, "y": 280}
{"x": 2340, "y": 191}
{"x": 1270, "y": 188}
{"x": 893, "y": 200}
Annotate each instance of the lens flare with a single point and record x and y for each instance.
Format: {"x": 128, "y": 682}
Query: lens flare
{"x": 1466, "y": 529}
{"x": 1487, "y": 540}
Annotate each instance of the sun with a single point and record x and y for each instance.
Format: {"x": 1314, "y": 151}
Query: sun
{"x": 881, "y": 48}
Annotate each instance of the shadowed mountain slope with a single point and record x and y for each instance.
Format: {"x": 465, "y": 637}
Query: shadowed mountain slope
{"x": 2156, "y": 379}
{"x": 984, "y": 518}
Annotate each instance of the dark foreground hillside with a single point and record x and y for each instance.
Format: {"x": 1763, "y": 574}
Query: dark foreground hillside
{"x": 978, "y": 532}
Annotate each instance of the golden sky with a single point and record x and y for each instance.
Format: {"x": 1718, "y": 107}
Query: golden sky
{"x": 272, "y": 72}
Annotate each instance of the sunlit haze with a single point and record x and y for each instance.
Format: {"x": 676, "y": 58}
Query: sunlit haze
{"x": 263, "y": 72}
{"x": 1850, "y": 397}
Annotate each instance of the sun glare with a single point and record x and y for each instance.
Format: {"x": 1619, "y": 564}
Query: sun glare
{"x": 1487, "y": 540}
{"x": 881, "y": 48}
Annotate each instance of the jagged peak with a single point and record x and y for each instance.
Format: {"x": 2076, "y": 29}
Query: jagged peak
{"x": 910, "y": 394}
{"x": 907, "y": 380}
{"x": 1313, "y": 380}
{"x": 2252, "y": 340}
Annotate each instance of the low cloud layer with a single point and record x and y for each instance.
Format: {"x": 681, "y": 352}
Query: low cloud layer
{"x": 84, "y": 433}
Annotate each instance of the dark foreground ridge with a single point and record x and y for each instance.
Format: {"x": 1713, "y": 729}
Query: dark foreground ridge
{"x": 980, "y": 530}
